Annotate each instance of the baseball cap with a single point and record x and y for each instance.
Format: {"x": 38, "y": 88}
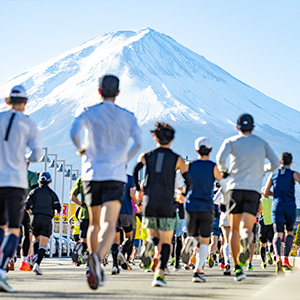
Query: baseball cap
{"x": 245, "y": 122}
{"x": 45, "y": 177}
{"x": 17, "y": 94}
{"x": 202, "y": 141}
{"x": 109, "y": 85}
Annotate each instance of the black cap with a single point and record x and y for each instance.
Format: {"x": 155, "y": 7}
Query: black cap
{"x": 109, "y": 85}
{"x": 245, "y": 122}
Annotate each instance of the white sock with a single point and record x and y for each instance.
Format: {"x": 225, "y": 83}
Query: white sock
{"x": 226, "y": 251}
{"x": 201, "y": 256}
{"x": 24, "y": 259}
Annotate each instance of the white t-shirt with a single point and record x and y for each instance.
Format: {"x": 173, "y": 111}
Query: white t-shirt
{"x": 108, "y": 129}
{"x": 17, "y": 132}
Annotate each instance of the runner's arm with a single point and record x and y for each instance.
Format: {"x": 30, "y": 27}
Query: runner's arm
{"x": 219, "y": 176}
{"x": 75, "y": 133}
{"x": 222, "y": 155}
{"x": 297, "y": 177}
{"x": 271, "y": 156}
{"x": 268, "y": 186}
{"x": 137, "y": 140}
{"x": 141, "y": 162}
{"x": 75, "y": 199}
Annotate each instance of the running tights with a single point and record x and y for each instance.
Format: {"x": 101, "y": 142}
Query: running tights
{"x": 288, "y": 245}
{"x": 178, "y": 247}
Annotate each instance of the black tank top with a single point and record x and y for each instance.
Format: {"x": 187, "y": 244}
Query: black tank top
{"x": 159, "y": 183}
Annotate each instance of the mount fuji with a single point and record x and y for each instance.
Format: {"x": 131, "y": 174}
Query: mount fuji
{"x": 160, "y": 80}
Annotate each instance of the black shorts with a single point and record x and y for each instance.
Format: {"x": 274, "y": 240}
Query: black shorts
{"x": 125, "y": 221}
{"x": 84, "y": 225}
{"x": 266, "y": 233}
{"x": 98, "y": 192}
{"x": 199, "y": 223}
{"x": 42, "y": 225}
{"x": 12, "y": 206}
{"x": 245, "y": 201}
{"x": 76, "y": 237}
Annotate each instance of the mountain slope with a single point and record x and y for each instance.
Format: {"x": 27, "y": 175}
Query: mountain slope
{"x": 160, "y": 80}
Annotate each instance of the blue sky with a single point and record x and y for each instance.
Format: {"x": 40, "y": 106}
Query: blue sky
{"x": 255, "y": 41}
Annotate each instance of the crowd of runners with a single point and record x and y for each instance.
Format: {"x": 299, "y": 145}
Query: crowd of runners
{"x": 171, "y": 211}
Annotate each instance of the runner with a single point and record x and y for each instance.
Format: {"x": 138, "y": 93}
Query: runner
{"x": 158, "y": 200}
{"x": 16, "y": 134}
{"x": 81, "y": 248}
{"x": 266, "y": 231}
{"x": 42, "y": 202}
{"x": 283, "y": 207}
{"x": 125, "y": 221}
{"x": 108, "y": 129}
{"x": 199, "y": 206}
{"x": 247, "y": 157}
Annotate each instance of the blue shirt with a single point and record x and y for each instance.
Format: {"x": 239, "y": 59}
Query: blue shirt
{"x": 284, "y": 186}
{"x": 200, "y": 197}
{"x": 126, "y": 207}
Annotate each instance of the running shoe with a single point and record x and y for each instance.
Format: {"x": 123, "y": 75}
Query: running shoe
{"x": 227, "y": 271}
{"x": 264, "y": 265}
{"x": 176, "y": 269}
{"x": 25, "y": 267}
{"x": 202, "y": 272}
{"x": 198, "y": 278}
{"x": 37, "y": 270}
{"x": 186, "y": 250}
{"x": 210, "y": 260}
{"x": 167, "y": 271}
{"x": 279, "y": 269}
{"x": 154, "y": 263}
{"x": 146, "y": 255}
{"x": 239, "y": 275}
{"x": 4, "y": 285}
{"x": 250, "y": 267}
{"x": 172, "y": 261}
{"x": 104, "y": 262}
{"x": 270, "y": 258}
{"x": 122, "y": 261}
{"x": 94, "y": 271}
{"x": 132, "y": 262}
{"x": 11, "y": 266}
{"x": 222, "y": 267}
{"x": 115, "y": 270}
{"x": 245, "y": 254}
{"x": 287, "y": 265}
{"x": 148, "y": 270}
{"x": 187, "y": 267}
{"x": 159, "y": 280}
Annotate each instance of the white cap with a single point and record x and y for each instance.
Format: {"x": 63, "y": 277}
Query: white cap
{"x": 18, "y": 91}
{"x": 202, "y": 141}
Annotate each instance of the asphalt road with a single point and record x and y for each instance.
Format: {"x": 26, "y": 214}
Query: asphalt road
{"x": 62, "y": 280}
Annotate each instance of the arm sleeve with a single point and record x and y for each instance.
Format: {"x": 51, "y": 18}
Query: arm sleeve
{"x": 75, "y": 189}
{"x": 137, "y": 140}
{"x": 75, "y": 133}
{"x": 136, "y": 169}
{"x": 29, "y": 201}
{"x": 34, "y": 143}
{"x": 222, "y": 155}
{"x": 274, "y": 161}
{"x": 56, "y": 204}
{"x": 188, "y": 182}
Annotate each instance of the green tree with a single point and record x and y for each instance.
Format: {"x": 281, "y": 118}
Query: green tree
{"x": 297, "y": 237}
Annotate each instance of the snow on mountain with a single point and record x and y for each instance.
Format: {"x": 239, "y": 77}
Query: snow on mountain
{"x": 159, "y": 80}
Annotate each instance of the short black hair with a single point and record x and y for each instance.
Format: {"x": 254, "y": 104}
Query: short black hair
{"x": 164, "y": 133}
{"x": 286, "y": 158}
{"x": 204, "y": 150}
{"x": 109, "y": 86}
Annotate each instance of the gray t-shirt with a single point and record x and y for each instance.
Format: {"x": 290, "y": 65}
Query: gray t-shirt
{"x": 247, "y": 161}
